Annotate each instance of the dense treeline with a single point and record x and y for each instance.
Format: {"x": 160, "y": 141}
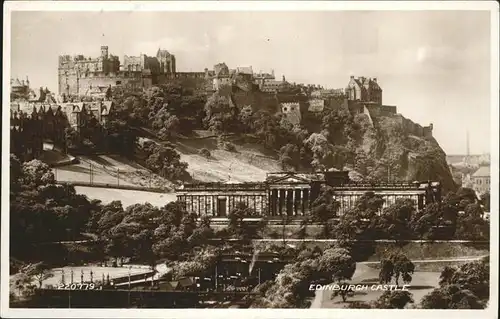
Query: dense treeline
{"x": 459, "y": 216}
{"x": 42, "y": 211}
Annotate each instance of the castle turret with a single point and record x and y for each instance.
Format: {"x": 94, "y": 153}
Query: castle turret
{"x": 104, "y": 51}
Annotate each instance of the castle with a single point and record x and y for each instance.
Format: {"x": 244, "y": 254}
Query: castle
{"x": 80, "y": 75}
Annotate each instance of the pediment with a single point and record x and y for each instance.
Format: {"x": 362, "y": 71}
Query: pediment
{"x": 288, "y": 179}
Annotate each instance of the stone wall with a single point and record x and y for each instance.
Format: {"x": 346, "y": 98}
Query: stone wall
{"x": 413, "y": 128}
{"x": 257, "y": 100}
{"x": 388, "y": 110}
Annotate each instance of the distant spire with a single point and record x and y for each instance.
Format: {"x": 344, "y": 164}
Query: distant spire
{"x": 468, "y": 145}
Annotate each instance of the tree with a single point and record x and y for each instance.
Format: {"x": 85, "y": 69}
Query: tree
{"x": 471, "y": 225}
{"x": 202, "y": 262}
{"x": 343, "y": 293}
{"x": 324, "y": 208}
{"x": 72, "y": 138}
{"x": 451, "y": 297}
{"x": 394, "y": 221}
{"x": 21, "y": 285}
{"x": 121, "y": 138}
{"x": 426, "y": 223}
{"x": 42, "y": 211}
{"x": 395, "y": 266}
{"x": 464, "y": 287}
{"x": 165, "y": 160}
{"x": 289, "y": 156}
{"x": 485, "y": 201}
{"x": 37, "y": 173}
{"x": 336, "y": 264}
{"x": 39, "y": 271}
{"x": 394, "y": 300}
{"x": 242, "y": 229}
{"x": 322, "y": 150}
{"x": 360, "y": 222}
{"x": 221, "y": 114}
{"x": 111, "y": 215}
{"x": 205, "y": 153}
{"x": 15, "y": 174}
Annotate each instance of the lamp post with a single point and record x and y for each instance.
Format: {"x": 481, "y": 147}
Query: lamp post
{"x": 216, "y": 277}
{"x": 129, "y": 268}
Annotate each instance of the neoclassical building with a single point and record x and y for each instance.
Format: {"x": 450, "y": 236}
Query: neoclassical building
{"x": 291, "y": 194}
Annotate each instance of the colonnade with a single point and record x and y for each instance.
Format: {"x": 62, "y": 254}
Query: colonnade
{"x": 289, "y": 201}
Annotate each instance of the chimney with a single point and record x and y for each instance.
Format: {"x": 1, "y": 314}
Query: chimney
{"x": 352, "y": 77}
{"x": 374, "y": 80}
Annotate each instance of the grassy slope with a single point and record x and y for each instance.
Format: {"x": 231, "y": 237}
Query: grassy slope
{"x": 248, "y": 163}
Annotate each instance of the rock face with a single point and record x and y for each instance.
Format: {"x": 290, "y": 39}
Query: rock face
{"x": 394, "y": 153}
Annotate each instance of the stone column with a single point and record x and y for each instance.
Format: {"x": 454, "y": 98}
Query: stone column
{"x": 282, "y": 201}
{"x": 298, "y": 204}
{"x": 289, "y": 202}
{"x": 305, "y": 201}
{"x": 293, "y": 202}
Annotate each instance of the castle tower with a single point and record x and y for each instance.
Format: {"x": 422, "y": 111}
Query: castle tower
{"x": 104, "y": 51}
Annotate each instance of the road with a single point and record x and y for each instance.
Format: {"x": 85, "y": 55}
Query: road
{"x": 362, "y": 268}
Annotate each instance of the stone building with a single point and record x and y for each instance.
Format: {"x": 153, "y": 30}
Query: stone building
{"x": 25, "y": 134}
{"x": 20, "y": 89}
{"x": 222, "y": 76}
{"x": 291, "y": 194}
{"x": 420, "y": 193}
{"x": 292, "y": 112}
{"x": 481, "y": 180}
{"x": 272, "y": 86}
{"x": 364, "y": 90}
{"x": 79, "y": 74}
{"x": 79, "y": 114}
{"x": 217, "y": 199}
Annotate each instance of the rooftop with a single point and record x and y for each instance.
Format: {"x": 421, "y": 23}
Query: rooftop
{"x": 483, "y": 171}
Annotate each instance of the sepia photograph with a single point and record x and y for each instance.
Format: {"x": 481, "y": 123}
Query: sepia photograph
{"x": 174, "y": 158}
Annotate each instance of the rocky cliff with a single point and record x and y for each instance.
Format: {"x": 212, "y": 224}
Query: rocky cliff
{"x": 389, "y": 150}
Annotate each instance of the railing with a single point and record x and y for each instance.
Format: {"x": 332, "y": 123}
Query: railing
{"x": 104, "y": 185}
{"x": 223, "y": 186}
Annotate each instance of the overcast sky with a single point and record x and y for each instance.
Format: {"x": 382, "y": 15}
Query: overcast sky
{"x": 434, "y": 65}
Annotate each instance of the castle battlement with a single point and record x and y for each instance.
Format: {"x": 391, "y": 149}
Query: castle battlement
{"x": 78, "y": 73}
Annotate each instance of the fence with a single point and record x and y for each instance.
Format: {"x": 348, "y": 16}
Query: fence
{"x": 104, "y": 185}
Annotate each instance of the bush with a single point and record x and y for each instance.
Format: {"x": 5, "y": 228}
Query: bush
{"x": 225, "y": 145}
{"x": 205, "y": 153}
{"x": 230, "y": 147}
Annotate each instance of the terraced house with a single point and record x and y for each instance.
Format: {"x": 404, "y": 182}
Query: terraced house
{"x": 44, "y": 118}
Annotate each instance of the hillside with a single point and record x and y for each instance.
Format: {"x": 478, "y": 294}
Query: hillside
{"x": 376, "y": 146}
{"x": 248, "y": 163}
{"x": 408, "y": 157}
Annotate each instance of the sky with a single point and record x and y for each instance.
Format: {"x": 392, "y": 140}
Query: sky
{"x": 433, "y": 65}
